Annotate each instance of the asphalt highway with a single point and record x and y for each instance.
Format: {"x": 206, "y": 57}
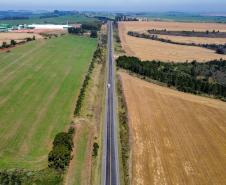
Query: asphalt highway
{"x": 110, "y": 162}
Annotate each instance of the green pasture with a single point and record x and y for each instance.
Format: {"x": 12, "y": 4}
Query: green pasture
{"x": 39, "y": 84}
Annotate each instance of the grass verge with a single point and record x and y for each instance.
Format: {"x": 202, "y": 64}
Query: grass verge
{"x": 117, "y": 42}
{"x": 80, "y": 155}
{"x": 123, "y": 134}
{"x": 84, "y": 166}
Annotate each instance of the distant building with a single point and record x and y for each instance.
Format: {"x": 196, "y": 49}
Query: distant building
{"x": 142, "y": 19}
{"x": 4, "y": 27}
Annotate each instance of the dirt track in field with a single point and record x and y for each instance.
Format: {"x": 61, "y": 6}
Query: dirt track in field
{"x": 177, "y": 138}
{"x": 154, "y": 50}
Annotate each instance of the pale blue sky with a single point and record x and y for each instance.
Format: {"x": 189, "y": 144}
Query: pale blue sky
{"x": 122, "y": 5}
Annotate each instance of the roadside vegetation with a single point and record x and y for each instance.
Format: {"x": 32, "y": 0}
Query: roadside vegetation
{"x": 84, "y": 168}
{"x": 197, "y": 78}
{"x": 98, "y": 56}
{"x": 117, "y": 41}
{"x": 123, "y": 133}
{"x": 122, "y": 117}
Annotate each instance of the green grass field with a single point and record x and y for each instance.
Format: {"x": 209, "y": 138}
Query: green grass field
{"x": 53, "y": 20}
{"x": 39, "y": 84}
{"x": 80, "y": 157}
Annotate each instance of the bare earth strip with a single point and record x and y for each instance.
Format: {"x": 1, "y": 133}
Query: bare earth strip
{"x": 177, "y": 138}
{"x": 154, "y": 50}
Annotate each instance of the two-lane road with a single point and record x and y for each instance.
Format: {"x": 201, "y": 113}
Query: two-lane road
{"x": 110, "y": 163}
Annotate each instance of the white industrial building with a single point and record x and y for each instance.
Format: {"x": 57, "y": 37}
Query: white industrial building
{"x": 48, "y": 26}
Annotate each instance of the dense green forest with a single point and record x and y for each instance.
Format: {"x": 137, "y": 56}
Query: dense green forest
{"x": 198, "y": 78}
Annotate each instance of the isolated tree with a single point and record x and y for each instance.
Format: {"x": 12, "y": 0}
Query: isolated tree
{"x": 13, "y": 42}
{"x": 93, "y": 34}
{"x": 4, "y": 45}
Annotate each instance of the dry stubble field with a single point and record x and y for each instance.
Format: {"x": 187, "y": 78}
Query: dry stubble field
{"x": 7, "y": 37}
{"x": 139, "y": 26}
{"x": 196, "y": 40}
{"x": 154, "y": 50}
{"x": 177, "y": 138}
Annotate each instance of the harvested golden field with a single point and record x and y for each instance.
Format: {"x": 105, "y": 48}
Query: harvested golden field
{"x": 154, "y": 50}
{"x": 196, "y": 40}
{"x": 141, "y": 26}
{"x": 7, "y": 37}
{"x": 177, "y": 138}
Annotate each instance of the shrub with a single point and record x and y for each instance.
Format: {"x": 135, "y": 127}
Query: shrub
{"x": 59, "y": 157}
{"x": 95, "y": 149}
{"x": 28, "y": 39}
{"x": 75, "y": 31}
{"x": 71, "y": 131}
{"x": 220, "y": 51}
